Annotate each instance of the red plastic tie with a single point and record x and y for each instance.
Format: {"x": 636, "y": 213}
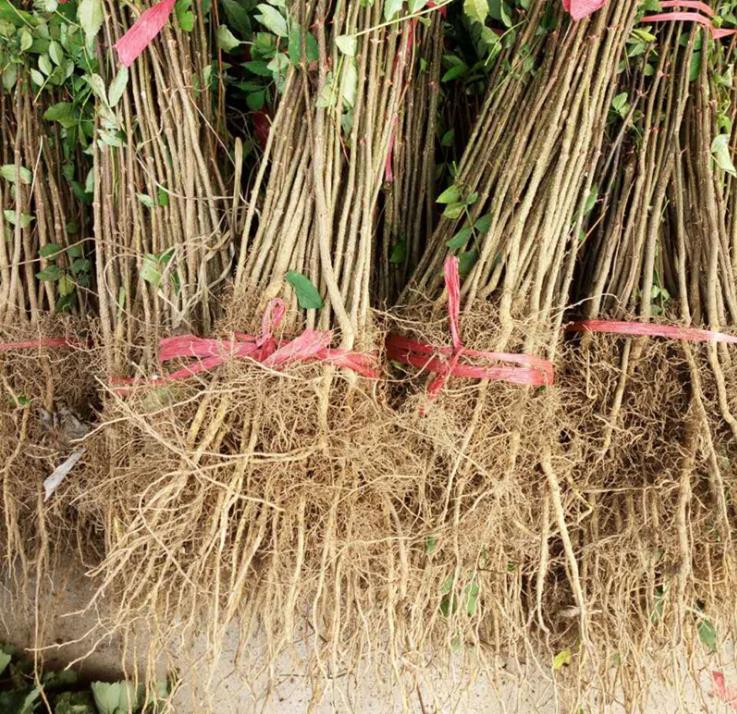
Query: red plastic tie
{"x": 264, "y": 348}
{"x": 722, "y": 692}
{"x": 49, "y": 342}
{"x": 143, "y": 31}
{"x": 680, "y": 16}
{"x": 578, "y": 9}
{"x": 447, "y": 361}
{"x": 640, "y": 329}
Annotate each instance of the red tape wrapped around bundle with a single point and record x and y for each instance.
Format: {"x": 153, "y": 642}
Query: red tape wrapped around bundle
{"x": 446, "y": 362}
{"x": 642, "y": 329}
{"x": 310, "y": 346}
{"x": 678, "y": 16}
{"x": 44, "y": 343}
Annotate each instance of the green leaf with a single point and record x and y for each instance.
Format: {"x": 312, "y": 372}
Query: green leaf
{"x": 56, "y": 52}
{"x": 399, "y": 253}
{"x": 454, "y": 210}
{"x": 271, "y": 18}
{"x": 4, "y": 659}
{"x": 81, "y": 265}
{"x": 44, "y": 64}
{"x": 185, "y": 17}
{"x": 97, "y": 85}
{"x": 300, "y": 40}
{"x": 452, "y": 194}
{"x": 307, "y": 295}
{"x": 720, "y": 152}
{"x": 657, "y": 614}
{"x": 620, "y": 104}
{"x": 466, "y": 261}
{"x": 74, "y": 703}
{"x": 472, "y": 597}
{"x": 226, "y": 39}
{"x": 150, "y": 272}
{"x": 417, "y": 5}
{"x": 457, "y": 70}
{"x": 431, "y": 543}
{"x": 65, "y": 285}
{"x": 162, "y": 196}
{"x": 51, "y": 273}
{"x": 10, "y": 75}
{"x": 117, "y": 86}
{"x": 460, "y": 239}
{"x": 26, "y": 40}
{"x": 708, "y": 634}
{"x": 146, "y": 200}
{"x": 448, "y": 138}
{"x": 347, "y": 44}
{"x": 50, "y": 250}
{"x": 391, "y": 8}
{"x": 695, "y": 67}
{"x": 7, "y": 171}
{"x": 563, "y": 658}
{"x": 258, "y": 67}
{"x": 62, "y": 112}
{"x": 256, "y": 100}
{"x": 89, "y": 14}
{"x": 483, "y": 224}
{"x": 591, "y": 199}
{"x": 349, "y": 82}
{"x": 37, "y": 78}
{"x": 115, "y": 697}
{"x": 25, "y": 218}
{"x": 477, "y": 10}
{"x": 237, "y": 17}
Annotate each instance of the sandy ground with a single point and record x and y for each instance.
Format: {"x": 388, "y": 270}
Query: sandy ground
{"x": 64, "y": 635}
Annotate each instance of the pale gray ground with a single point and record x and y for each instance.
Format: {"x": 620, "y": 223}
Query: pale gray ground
{"x": 292, "y": 695}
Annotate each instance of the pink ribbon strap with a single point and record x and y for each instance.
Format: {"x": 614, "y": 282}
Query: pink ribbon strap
{"x": 208, "y": 353}
{"x": 46, "y": 343}
{"x": 144, "y": 31}
{"x": 640, "y": 329}
{"x": 446, "y": 361}
{"x": 578, "y": 9}
{"x": 679, "y": 16}
{"x": 722, "y": 692}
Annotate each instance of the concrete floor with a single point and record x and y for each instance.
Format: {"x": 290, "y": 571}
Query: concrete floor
{"x": 523, "y": 692}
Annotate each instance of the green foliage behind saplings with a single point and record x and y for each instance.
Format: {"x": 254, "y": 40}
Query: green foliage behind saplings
{"x": 65, "y": 693}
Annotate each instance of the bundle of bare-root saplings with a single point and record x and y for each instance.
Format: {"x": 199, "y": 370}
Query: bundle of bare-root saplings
{"x": 46, "y": 276}
{"x": 651, "y": 373}
{"x": 254, "y": 476}
{"x": 525, "y": 456}
{"x": 497, "y": 569}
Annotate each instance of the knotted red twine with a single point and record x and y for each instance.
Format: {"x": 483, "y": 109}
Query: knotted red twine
{"x": 640, "y": 329}
{"x": 448, "y": 362}
{"x": 264, "y": 348}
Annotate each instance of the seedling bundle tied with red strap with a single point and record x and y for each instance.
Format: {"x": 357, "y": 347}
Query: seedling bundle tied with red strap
{"x": 483, "y": 328}
{"x": 651, "y": 370}
{"x": 46, "y": 281}
{"x": 391, "y": 339}
{"x": 269, "y": 429}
